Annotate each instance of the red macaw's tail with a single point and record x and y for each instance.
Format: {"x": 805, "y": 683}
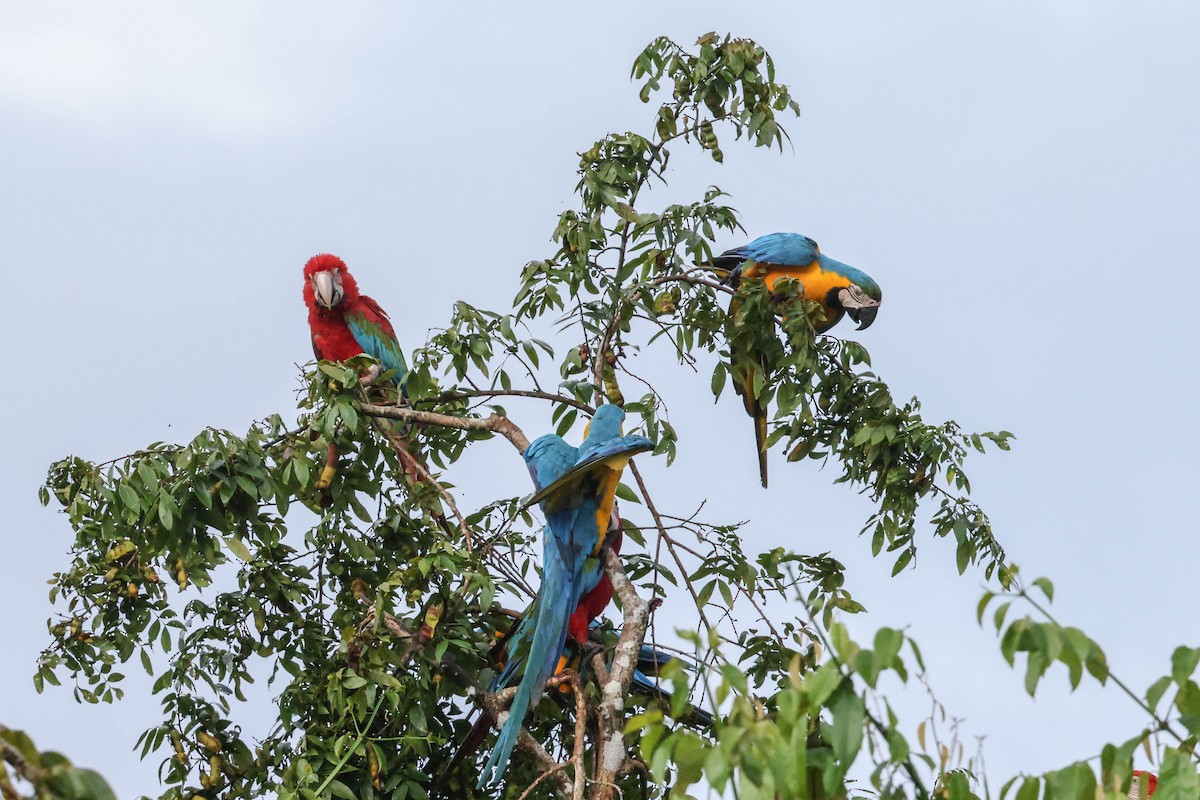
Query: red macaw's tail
{"x": 470, "y": 745}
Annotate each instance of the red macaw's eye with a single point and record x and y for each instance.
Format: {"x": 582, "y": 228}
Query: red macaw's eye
{"x": 327, "y": 287}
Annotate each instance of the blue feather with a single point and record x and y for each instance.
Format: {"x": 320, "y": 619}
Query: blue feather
{"x": 376, "y": 343}
{"x": 785, "y": 249}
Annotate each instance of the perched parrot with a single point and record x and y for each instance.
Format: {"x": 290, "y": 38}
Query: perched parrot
{"x": 836, "y": 287}
{"x": 576, "y": 488}
{"x": 1140, "y": 778}
{"x": 345, "y": 324}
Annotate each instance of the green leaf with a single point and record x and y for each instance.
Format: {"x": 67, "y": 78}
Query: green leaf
{"x": 627, "y": 494}
{"x": 1183, "y": 663}
{"x": 718, "y": 380}
{"x": 1046, "y": 586}
{"x": 849, "y": 715}
{"x": 1157, "y": 690}
{"x": 239, "y": 549}
{"x": 73, "y": 783}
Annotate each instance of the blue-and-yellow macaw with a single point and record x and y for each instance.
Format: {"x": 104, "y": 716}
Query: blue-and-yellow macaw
{"x": 576, "y": 488}
{"x": 838, "y": 289}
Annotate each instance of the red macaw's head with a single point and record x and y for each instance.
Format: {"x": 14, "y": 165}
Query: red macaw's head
{"x": 327, "y": 283}
{"x": 1140, "y": 777}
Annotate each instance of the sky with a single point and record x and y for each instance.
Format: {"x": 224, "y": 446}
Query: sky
{"x": 1022, "y": 179}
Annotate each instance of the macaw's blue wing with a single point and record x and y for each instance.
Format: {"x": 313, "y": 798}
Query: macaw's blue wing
{"x": 548, "y": 458}
{"x": 576, "y": 490}
{"x": 373, "y": 331}
{"x": 784, "y": 249}
{"x": 593, "y": 463}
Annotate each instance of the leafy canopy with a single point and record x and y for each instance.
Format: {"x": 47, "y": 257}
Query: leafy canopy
{"x": 365, "y": 609}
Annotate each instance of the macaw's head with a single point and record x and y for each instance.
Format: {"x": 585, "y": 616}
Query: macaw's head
{"x": 605, "y": 423}
{"x": 327, "y": 283}
{"x": 1140, "y": 777}
{"x": 859, "y": 298}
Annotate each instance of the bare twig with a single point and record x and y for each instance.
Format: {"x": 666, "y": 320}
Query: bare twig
{"x": 494, "y": 704}
{"x": 494, "y": 423}
{"x": 552, "y": 397}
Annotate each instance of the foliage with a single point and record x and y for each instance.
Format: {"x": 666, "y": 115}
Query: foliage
{"x": 48, "y": 775}
{"x": 222, "y": 563}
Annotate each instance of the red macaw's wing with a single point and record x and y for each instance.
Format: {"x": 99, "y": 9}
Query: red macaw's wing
{"x": 373, "y": 331}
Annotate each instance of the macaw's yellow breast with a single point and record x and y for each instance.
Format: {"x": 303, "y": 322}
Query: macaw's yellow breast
{"x": 608, "y": 494}
{"x": 817, "y": 284}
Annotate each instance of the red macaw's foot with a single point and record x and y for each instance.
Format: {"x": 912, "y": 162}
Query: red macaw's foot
{"x": 369, "y": 377}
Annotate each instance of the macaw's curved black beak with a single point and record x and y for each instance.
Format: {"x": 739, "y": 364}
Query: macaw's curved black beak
{"x": 863, "y": 316}
{"x": 327, "y": 288}
{"x": 858, "y": 305}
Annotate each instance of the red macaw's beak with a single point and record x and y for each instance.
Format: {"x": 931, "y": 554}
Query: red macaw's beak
{"x": 327, "y": 288}
{"x": 861, "y": 308}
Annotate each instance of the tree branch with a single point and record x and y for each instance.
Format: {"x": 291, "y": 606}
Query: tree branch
{"x": 494, "y": 423}
{"x": 20, "y": 765}
{"x": 611, "y": 738}
{"x": 552, "y": 397}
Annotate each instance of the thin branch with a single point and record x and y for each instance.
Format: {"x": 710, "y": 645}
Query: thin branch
{"x": 580, "y": 735}
{"x": 662, "y": 532}
{"x": 685, "y": 277}
{"x": 494, "y": 704}
{"x": 494, "y": 423}
{"x": 552, "y": 397}
{"x": 401, "y": 447}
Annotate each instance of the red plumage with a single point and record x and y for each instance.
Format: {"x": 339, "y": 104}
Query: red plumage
{"x": 1151, "y": 784}
{"x": 592, "y": 604}
{"x": 332, "y": 339}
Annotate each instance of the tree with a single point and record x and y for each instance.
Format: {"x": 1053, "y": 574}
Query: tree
{"x": 369, "y": 604}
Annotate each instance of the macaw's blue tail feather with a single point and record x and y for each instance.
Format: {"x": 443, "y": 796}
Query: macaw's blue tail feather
{"x": 549, "y": 634}
{"x": 649, "y": 662}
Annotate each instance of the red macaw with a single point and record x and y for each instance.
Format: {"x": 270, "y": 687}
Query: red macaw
{"x": 345, "y": 324}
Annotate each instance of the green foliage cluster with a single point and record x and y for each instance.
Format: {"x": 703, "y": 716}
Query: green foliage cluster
{"x": 26, "y": 772}
{"x": 367, "y": 613}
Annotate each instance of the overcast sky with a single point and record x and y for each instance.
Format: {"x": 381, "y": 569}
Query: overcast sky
{"x": 1023, "y": 179}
